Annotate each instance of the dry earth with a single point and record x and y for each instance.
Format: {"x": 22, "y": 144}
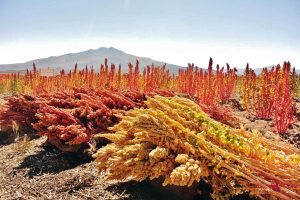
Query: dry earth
{"x": 31, "y": 170}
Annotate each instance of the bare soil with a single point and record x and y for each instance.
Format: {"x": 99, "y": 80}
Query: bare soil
{"x": 31, "y": 170}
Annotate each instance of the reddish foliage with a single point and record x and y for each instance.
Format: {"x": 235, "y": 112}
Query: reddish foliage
{"x": 165, "y": 93}
{"x": 274, "y": 186}
{"x": 20, "y": 109}
{"x": 225, "y": 82}
{"x": 284, "y": 107}
{"x": 221, "y": 114}
{"x": 209, "y": 86}
{"x": 270, "y": 95}
{"x": 248, "y": 87}
{"x": 263, "y": 101}
{"x": 217, "y": 112}
{"x": 70, "y": 119}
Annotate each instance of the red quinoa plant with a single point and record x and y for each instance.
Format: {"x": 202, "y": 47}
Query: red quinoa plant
{"x": 209, "y": 86}
{"x": 248, "y": 87}
{"x": 270, "y": 95}
{"x": 284, "y": 106}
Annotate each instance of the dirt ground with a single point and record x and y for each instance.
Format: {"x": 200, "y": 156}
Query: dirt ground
{"x": 249, "y": 122}
{"x": 29, "y": 169}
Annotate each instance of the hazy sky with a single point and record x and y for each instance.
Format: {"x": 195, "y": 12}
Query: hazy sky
{"x": 261, "y": 32}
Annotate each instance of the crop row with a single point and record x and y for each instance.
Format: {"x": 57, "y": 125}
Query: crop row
{"x": 268, "y": 95}
{"x": 174, "y": 139}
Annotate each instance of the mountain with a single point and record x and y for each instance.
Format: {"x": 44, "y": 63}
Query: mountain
{"x": 257, "y": 71}
{"x": 92, "y": 57}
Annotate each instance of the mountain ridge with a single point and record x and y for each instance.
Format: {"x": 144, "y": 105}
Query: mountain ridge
{"x": 90, "y": 57}
{"x": 96, "y": 57}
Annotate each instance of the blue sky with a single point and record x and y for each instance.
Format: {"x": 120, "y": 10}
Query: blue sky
{"x": 256, "y": 31}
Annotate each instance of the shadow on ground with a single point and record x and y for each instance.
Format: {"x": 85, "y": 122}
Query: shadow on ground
{"x": 51, "y": 161}
{"x": 6, "y": 138}
{"x": 153, "y": 190}
{"x": 143, "y": 191}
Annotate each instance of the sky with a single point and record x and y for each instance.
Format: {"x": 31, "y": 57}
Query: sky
{"x": 261, "y": 32}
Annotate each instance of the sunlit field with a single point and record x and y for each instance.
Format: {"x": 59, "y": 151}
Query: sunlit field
{"x": 150, "y": 100}
{"x": 236, "y": 133}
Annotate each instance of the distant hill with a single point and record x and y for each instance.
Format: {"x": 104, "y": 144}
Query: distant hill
{"x": 92, "y": 57}
{"x": 259, "y": 70}
{"x": 256, "y": 70}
